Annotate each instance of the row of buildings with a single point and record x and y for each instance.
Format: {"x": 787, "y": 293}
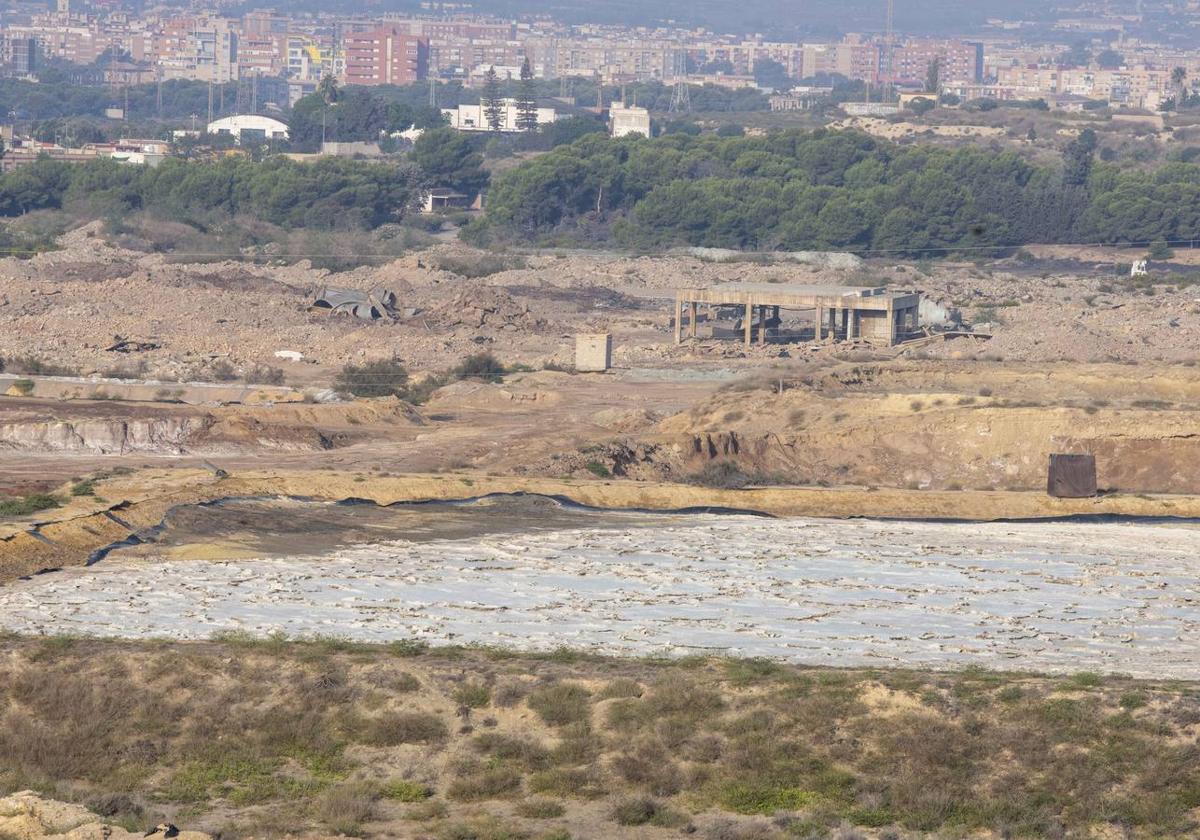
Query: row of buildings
{"x": 400, "y": 50}
{"x": 393, "y": 49}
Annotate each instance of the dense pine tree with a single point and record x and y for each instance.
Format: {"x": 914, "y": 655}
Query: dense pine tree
{"x": 493, "y": 106}
{"x": 527, "y": 100}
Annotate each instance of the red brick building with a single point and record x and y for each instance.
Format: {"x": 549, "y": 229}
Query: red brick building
{"x": 385, "y": 56}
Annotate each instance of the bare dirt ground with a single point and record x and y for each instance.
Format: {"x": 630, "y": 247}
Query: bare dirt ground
{"x": 1079, "y": 359}
{"x": 67, "y": 306}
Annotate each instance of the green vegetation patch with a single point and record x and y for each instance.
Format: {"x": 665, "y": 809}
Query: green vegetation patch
{"x": 743, "y": 798}
{"x": 25, "y": 505}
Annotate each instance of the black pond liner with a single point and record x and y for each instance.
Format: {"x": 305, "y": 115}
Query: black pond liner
{"x": 148, "y": 535}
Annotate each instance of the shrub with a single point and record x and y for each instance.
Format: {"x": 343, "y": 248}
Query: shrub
{"x": 651, "y": 769}
{"x": 727, "y": 475}
{"x": 481, "y": 366}
{"x": 408, "y": 647}
{"x": 401, "y": 790}
{"x": 620, "y": 687}
{"x": 24, "y": 387}
{"x": 394, "y": 728}
{"x": 83, "y": 488}
{"x": 509, "y": 750}
{"x": 539, "y": 809}
{"x": 597, "y": 469}
{"x": 744, "y": 798}
{"x": 579, "y": 782}
{"x": 509, "y": 693}
{"x": 644, "y": 811}
{"x": 23, "y": 505}
{"x": 33, "y": 366}
{"x": 472, "y": 695}
{"x": 477, "y": 782}
{"x": 561, "y": 704}
{"x": 222, "y": 371}
{"x": 346, "y": 807}
{"x": 264, "y": 375}
{"x": 379, "y": 378}
{"x": 474, "y": 266}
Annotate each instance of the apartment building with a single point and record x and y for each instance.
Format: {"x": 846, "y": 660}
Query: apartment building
{"x": 958, "y": 61}
{"x": 1135, "y": 87}
{"x": 198, "y": 47}
{"x": 18, "y": 56}
{"x": 385, "y": 56}
{"x": 310, "y": 58}
{"x": 74, "y": 40}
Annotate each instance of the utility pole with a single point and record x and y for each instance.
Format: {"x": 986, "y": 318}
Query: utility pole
{"x": 158, "y": 95}
{"x": 210, "y": 103}
{"x": 681, "y": 98}
{"x": 432, "y": 92}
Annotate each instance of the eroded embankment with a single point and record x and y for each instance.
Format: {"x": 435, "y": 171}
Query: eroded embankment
{"x": 140, "y": 500}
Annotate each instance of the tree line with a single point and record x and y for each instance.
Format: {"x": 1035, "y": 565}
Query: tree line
{"x": 799, "y": 190}
{"x": 328, "y": 193}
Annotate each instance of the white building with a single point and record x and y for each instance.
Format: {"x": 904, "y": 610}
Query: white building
{"x": 474, "y": 117}
{"x": 624, "y": 120}
{"x": 250, "y": 126}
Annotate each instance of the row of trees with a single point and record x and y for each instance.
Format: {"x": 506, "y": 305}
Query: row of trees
{"x": 798, "y": 190}
{"x": 330, "y": 193}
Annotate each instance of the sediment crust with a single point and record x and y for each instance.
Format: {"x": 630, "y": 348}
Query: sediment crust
{"x": 140, "y": 500}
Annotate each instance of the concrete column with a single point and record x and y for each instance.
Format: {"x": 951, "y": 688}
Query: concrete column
{"x": 692, "y": 323}
{"x": 762, "y": 325}
{"x": 749, "y": 318}
{"x": 678, "y": 320}
{"x": 818, "y": 326}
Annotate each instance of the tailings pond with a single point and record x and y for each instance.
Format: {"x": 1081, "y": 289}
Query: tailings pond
{"x": 529, "y": 573}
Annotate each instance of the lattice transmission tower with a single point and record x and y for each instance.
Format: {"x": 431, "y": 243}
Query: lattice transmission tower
{"x": 681, "y": 99}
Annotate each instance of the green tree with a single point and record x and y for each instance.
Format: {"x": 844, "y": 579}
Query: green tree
{"x": 1160, "y": 250}
{"x": 1109, "y": 59}
{"x": 933, "y": 77}
{"x": 327, "y": 89}
{"x": 527, "y": 100}
{"x": 921, "y": 106}
{"x": 450, "y": 158}
{"x": 1178, "y": 79}
{"x": 769, "y": 73}
{"x": 493, "y": 106}
{"x": 1077, "y": 159}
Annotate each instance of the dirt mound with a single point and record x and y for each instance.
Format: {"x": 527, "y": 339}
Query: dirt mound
{"x": 475, "y": 305}
{"x": 25, "y": 815}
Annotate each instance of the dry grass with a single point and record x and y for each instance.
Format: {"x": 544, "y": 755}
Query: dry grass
{"x": 248, "y": 736}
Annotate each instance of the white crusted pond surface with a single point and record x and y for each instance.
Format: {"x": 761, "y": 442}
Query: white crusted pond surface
{"x": 1112, "y": 597}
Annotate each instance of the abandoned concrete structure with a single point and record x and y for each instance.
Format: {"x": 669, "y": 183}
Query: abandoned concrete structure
{"x": 839, "y": 313}
{"x": 593, "y": 352}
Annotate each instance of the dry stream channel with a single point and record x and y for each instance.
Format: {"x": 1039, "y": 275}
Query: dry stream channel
{"x": 527, "y": 572}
